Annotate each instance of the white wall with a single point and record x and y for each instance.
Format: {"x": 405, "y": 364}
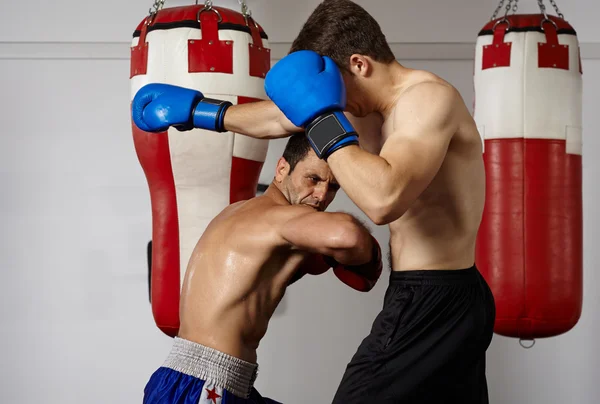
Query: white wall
{"x": 403, "y": 21}
{"x": 76, "y": 215}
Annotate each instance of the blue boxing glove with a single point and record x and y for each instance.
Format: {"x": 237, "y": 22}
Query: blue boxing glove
{"x": 309, "y": 90}
{"x": 157, "y": 106}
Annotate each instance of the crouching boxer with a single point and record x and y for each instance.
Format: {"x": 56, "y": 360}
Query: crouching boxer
{"x": 239, "y": 271}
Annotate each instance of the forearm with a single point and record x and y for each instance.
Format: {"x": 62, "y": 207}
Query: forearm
{"x": 338, "y": 235}
{"x": 260, "y": 119}
{"x": 367, "y": 180}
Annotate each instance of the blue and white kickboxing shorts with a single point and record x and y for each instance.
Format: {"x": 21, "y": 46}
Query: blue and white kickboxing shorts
{"x": 196, "y": 374}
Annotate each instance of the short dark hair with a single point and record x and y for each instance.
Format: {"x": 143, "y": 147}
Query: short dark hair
{"x": 341, "y": 28}
{"x": 296, "y": 149}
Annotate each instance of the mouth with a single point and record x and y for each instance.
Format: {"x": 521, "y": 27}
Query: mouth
{"x": 315, "y": 207}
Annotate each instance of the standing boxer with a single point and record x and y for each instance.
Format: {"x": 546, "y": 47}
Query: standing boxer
{"x": 418, "y": 169}
{"x": 240, "y": 269}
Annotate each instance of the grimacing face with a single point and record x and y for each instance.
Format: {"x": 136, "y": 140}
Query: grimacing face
{"x": 310, "y": 183}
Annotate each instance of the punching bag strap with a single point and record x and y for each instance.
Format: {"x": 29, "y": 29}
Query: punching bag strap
{"x": 552, "y": 54}
{"x": 210, "y": 54}
{"x": 497, "y": 54}
{"x": 139, "y": 54}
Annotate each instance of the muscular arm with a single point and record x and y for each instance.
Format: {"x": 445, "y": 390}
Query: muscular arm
{"x": 384, "y": 186}
{"x": 261, "y": 119}
{"x": 338, "y": 235}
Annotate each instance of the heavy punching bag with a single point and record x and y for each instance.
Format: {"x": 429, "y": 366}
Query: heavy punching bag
{"x": 528, "y": 108}
{"x": 193, "y": 175}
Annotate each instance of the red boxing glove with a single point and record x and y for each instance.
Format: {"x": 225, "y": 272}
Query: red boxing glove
{"x": 359, "y": 277}
{"x": 313, "y": 265}
{"x": 316, "y": 265}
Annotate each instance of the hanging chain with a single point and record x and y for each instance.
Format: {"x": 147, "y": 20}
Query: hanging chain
{"x": 543, "y": 9}
{"x": 507, "y": 7}
{"x": 158, "y": 5}
{"x": 512, "y": 4}
{"x": 500, "y": 4}
{"x": 246, "y": 12}
{"x": 560, "y": 15}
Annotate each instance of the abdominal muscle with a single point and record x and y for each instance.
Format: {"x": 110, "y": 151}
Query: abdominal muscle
{"x": 413, "y": 249}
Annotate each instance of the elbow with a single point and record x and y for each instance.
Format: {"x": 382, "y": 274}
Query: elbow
{"x": 382, "y": 217}
{"x": 385, "y": 211}
{"x": 347, "y": 236}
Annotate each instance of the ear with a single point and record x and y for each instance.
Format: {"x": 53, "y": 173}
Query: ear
{"x": 282, "y": 169}
{"x": 361, "y": 65}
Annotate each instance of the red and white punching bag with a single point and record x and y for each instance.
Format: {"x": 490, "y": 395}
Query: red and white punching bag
{"x": 193, "y": 175}
{"x": 528, "y": 108}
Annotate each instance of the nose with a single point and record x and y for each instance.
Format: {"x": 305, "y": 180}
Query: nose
{"x": 320, "y": 191}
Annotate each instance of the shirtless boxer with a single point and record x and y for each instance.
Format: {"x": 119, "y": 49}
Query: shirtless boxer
{"x": 419, "y": 169}
{"x": 239, "y": 271}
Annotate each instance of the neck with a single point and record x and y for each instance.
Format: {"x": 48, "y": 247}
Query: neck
{"x": 388, "y": 83}
{"x": 275, "y": 192}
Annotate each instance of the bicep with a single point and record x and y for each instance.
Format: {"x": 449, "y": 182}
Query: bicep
{"x": 414, "y": 161}
{"x": 422, "y": 132}
{"x": 320, "y": 232}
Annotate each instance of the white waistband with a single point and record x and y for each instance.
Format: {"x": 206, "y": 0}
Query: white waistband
{"x": 233, "y": 374}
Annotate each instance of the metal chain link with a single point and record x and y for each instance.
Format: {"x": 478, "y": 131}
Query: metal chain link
{"x": 542, "y": 8}
{"x": 512, "y": 4}
{"x": 246, "y": 12}
{"x": 560, "y": 15}
{"x": 500, "y": 4}
{"x": 158, "y": 5}
{"x": 508, "y": 5}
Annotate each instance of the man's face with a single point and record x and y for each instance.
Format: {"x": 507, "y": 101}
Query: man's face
{"x": 310, "y": 183}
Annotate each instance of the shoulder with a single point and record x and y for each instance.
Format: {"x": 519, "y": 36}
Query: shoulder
{"x": 279, "y": 214}
{"x": 428, "y": 102}
{"x": 428, "y": 88}
{"x": 262, "y": 218}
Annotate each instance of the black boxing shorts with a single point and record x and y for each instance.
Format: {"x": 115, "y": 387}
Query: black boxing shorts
{"x": 428, "y": 344}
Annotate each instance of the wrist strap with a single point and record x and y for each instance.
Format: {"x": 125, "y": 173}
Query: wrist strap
{"x": 330, "y": 132}
{"x": 210, "y": 114}
{"x": 220, "y": 126}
